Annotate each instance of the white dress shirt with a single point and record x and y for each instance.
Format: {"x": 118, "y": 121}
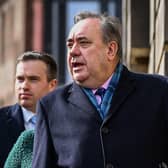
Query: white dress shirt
{"x": 27, "y": 115}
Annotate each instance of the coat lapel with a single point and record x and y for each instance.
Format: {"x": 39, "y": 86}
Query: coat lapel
{"x": 125, "y": 88}
{"x": 78, "y": 98}
{"x": 15, "y": 119}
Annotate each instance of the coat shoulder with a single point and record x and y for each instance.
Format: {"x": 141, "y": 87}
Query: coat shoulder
{"x": 61, "y": 91}
{"x": 146, "y": 78}
{"x": 7, "y": 109}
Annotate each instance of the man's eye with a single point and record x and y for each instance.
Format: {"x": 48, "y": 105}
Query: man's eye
{"x": 20, "y": 79}
{"x": 85, "y": 43}
{"x": 34, "y": 79}
{"x": 69, "y": 45}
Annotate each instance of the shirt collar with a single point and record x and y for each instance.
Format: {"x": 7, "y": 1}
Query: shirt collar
{"x": 27, "y": 115}
{"x": 105, "y": 85}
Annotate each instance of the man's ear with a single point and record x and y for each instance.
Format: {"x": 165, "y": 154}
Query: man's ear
{"x": 112, "y": 50}
{"x": 53, "y": 84}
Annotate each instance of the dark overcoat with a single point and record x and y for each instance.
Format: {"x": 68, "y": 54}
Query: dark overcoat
{"x": 71, "y": 134}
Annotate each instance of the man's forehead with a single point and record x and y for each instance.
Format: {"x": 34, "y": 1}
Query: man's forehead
{"x": 84, "y": 26}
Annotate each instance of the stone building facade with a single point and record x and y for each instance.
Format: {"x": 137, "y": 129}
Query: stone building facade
{"x": 12, "y": 43}
{"x": 20, "y": 30}
{"x": 33, "y": 24}
{"x": 145, "y": 35}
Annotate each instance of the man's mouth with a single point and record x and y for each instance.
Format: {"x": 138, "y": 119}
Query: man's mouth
{"x": 25, "y": 95}
{"x": 77, "y": 64}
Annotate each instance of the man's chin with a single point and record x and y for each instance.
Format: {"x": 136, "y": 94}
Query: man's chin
{"x": 79, "y": 81}
{"x": 83, "y": 83}
{"x": 26, "y": 104}
{"x": 79, "y": 78}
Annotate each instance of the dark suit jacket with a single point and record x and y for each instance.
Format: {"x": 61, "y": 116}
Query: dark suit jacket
{"x": 71, "y": 134}
{"x": 11, "y": 125}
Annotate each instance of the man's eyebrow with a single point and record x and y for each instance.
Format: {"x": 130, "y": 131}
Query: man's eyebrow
{"x": 34, "y": 76}
{"x": 69, "y": 40}
{"x": 82, "y": 38}
{"x": 29, "y": 76}
{"x": 78, "y": 39}
{"x": 19, "y": 77}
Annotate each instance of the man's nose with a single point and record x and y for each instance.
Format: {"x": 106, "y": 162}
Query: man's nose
{"x": 75, "y": 50}
{"x": 25, "y": 84}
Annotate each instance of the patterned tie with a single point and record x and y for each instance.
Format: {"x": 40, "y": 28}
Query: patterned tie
{"x": 100, "y": 92}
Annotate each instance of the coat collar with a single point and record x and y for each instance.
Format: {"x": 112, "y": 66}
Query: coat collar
{"x": 124, "y": 89}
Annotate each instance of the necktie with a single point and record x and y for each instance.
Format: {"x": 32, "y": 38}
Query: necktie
{"x": 33, "y": 120}
{"x": 100, "y": 92}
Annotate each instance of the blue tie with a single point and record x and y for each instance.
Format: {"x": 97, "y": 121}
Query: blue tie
{"x": 33, "y": 120}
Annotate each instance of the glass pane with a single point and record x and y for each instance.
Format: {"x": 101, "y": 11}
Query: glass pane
{"x": 75, "y": 7}
{"x": 112, "y": 8}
